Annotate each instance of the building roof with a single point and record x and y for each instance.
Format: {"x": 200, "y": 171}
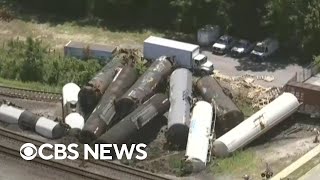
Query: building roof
{"x": 171, "y": 43}
{"x": 97, "y": 47}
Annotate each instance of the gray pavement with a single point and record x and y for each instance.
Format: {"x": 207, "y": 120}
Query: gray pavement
{"x": 282, "y": 72}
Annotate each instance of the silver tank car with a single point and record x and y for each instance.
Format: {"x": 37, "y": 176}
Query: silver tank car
{"x": 131, "y": 124}
{"x": 228, "y": 114}
{"x": 180, "y": 104}
{"x": 91, "y": 93}
{"x": 101, "y": 118}
{"x": 29, "y": 121}
{"x": 259, "y": 123}
{"x": 145, "y": 86}
{"x": 9, "y": 114}
{"x": 199, "y": 137}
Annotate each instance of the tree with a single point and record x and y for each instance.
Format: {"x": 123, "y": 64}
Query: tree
{"x": 311, "y": 26}
{"x": 32, "y": 68}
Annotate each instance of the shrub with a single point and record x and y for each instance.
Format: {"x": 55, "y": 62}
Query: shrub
{"x": 30, "y": 61}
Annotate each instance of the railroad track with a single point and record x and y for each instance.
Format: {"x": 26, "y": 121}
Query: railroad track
{"x": 10, "y": 143}
{"x": 29, "y": 94}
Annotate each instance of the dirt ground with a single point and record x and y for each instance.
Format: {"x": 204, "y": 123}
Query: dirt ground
{"x": 58, "y": 35}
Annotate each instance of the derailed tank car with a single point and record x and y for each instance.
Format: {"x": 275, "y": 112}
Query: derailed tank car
{"x": 71, "y": 114}
{"x": 227, "y": 111}
{"x": 158, "y": 104}
{"x": 75, "y": 122}
{"x": 199, "y": 137}
{"x": 259, "y": 123}
{"x": 91, "y": 93}
{"x": 101, "y": 118}
{"x": 180, "y": 104}
{"x": 29, "y": 121}
{"x": 70, "y": 93}
{"x": 145, "y": 86}
{"x": 9, "y": 114}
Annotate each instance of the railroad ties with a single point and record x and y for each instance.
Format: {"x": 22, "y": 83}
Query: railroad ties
{"x": 22, "y": 93}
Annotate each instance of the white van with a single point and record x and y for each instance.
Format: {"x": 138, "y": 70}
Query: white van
{"x": 265, "y": 49}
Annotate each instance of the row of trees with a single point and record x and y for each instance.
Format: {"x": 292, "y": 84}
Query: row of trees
{"x": 30, "y": 61}
{"x": 295, "y": 22}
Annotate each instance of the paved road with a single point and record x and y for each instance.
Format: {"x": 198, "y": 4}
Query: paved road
{"x": 282, "y": 72}
{"x": 313, "y": 174}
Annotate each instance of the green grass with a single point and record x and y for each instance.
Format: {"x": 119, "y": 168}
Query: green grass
{"x": 58, "y": 35}
{"x": 175, "y": 161}
{"x": 246, "y": 109}
{"x": 242, "y": 162}
{"x": 29, "y": 85}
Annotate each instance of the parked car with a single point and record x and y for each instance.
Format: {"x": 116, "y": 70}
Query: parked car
{"x": 241, "y": 48}
{"x": 223, "y": 45}
{"x": 264, "y": 49}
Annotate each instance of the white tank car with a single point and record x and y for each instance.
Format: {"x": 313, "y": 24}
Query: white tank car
{"x": 260, "y": 122}
{"x": 28, "y": 121}
{"x": 9, "y": 114}
{"x": 180, "y": 103}
{"x": 199, "y": 135}
{"x": 70, "y": 93}
{"x": 49, "y": 128}
{"x": 75, "y": 121}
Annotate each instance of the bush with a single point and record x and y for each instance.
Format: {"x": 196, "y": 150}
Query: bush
{"x": 30, "y": 61}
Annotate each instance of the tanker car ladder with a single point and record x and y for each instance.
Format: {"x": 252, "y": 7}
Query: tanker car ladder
{"x": 212, "y": 134}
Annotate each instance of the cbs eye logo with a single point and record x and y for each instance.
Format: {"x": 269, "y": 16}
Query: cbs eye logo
{"x": 28, "y": 151}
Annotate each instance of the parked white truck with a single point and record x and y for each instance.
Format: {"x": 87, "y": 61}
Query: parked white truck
{"x": 264, "y": 49}
{"x": 185, "y": 55}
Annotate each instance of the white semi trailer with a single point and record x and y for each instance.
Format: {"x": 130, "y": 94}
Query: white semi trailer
{"x": 185, "y": 55}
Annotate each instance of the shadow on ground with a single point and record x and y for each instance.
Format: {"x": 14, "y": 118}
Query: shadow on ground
{"x": 279, "y": 61}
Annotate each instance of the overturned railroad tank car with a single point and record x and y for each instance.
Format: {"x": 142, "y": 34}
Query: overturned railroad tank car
{"x": 200, "y": 135}
{"x": 29, "y": 121}
{"x": 91, "y": 93}
{"x": 70, "y": 93}
{"x": 180, "y": 104}
{"x": 145, "y": 86}
{"x": 75, "y": 122}
{"x": 70, "y": 110}
{"x": 228, "y": 114}
{"x": 158, "y": 104}
{"x": 102, "y": 117}
{"x": 259, "y": 123}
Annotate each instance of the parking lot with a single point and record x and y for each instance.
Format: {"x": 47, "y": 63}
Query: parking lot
{"x": 280, "y": 69}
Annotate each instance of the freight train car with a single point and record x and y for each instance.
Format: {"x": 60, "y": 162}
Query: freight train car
{"x": 70, "y": 109}
{"x": 29, "y": 121}
{"x": 75, "y": 122}
{"x": 70, "y": 93}
{"x": 199, "y": 137}
{"x": 102, "y": 117}
{"x": 145, "y": 86}
{"x": 131, "y": 124}
{"x": 91, "y": 93}
{"x": 259, "y": 123}
{"x": 227, "y": 111}
{"x": 180, "y": 104}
